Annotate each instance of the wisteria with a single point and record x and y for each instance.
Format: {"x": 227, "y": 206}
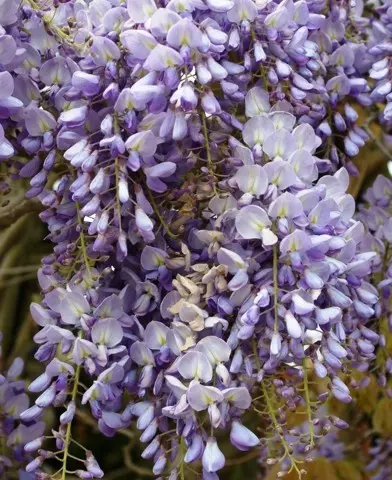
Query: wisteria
{"x": 210, "y": 273}
{"x": 15, "y": 434}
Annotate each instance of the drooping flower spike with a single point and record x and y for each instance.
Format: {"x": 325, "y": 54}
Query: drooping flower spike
{"x": 206, "y": 256}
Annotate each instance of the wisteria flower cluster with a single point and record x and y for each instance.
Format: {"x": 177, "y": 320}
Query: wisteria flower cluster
{"x": 15, "y": 434}
{"x": 193, "y": 159}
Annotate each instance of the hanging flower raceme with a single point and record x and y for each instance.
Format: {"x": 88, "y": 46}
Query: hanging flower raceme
{"x": 16, "y": 434}
{"x": 193, "y": 162}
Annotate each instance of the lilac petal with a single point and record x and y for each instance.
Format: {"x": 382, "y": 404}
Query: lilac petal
{"x": 302, "y": 306}
{"x": 213, "y": 459}
{"x": 39, "y": 121}
{"x": 279, "y": 144}
{"x": 335, "y": 348}
{"x": 161, "y": 170}
{"x": 103, "y": 51}
{"x": 155, "y": 335}
{"x": 251, "y": 221}
{"x": 338, "y": 298}
{"x": 239, "y": 280}
{"x": 293, "y": 327}
{"x": 162, "y": 58}
{"x": 184, "y": 32}
{"x": 152, "y": 258}
{"x": 108, "y": 332}
{"x": 138, "y": 42}
{"x": 238, "y": 397}
{"x": 286, "y": 205}
{"x": 195, "y": 450}
{"x": 74, "y": 117}
{"x": 280, "y": 173}
{"x": 305, "y": 138}
{"x": 145, "y": 143}
{"x": 215, "y": 349}
{"x": 141, "y": 354}
{"x": 256, "y": 102}
{"x": 241, "y": 437}
{"x": 86, "y": 82}
{"x": 72, "y": 307}
{"x": 6, "y": 84}
{"x": 6, "y": 149}
{"x": 55, "y": 71}
{"x": 243, "y": 10}
{"x": 231, "y": 259}
{"x": 282, "y": 120}
{"x": 252, "y": 179}
{"x": 340, "y": 390}
{"x": 276, "y": 343}
{"x": 176, "y": 386}
{"x": 7, "y": 48}
{"x": 298, "y": 241}
{"x": 257, "y": 129}
{"x": 140, "y": 10}
{"x": 195, "y": 365}
{"x": 200, "y": 396}
{"x": 162, "y": 20}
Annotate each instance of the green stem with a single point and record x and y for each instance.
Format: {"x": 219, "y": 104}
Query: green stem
{"x": 67, "y": 440}
{"x": 379, "y": 144}
{"x": 278, "y": 428}
{"x": 182, "y": 450}
{"x": 158, "y": 214}
{"x": 256, "y": 353}
{"x": 275, "y": 280}
{"x": 82, "y": 241}
{"x": 205, "y": 134}
{"x": 308, "y": 405}
{"x": 118, "y": 205}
